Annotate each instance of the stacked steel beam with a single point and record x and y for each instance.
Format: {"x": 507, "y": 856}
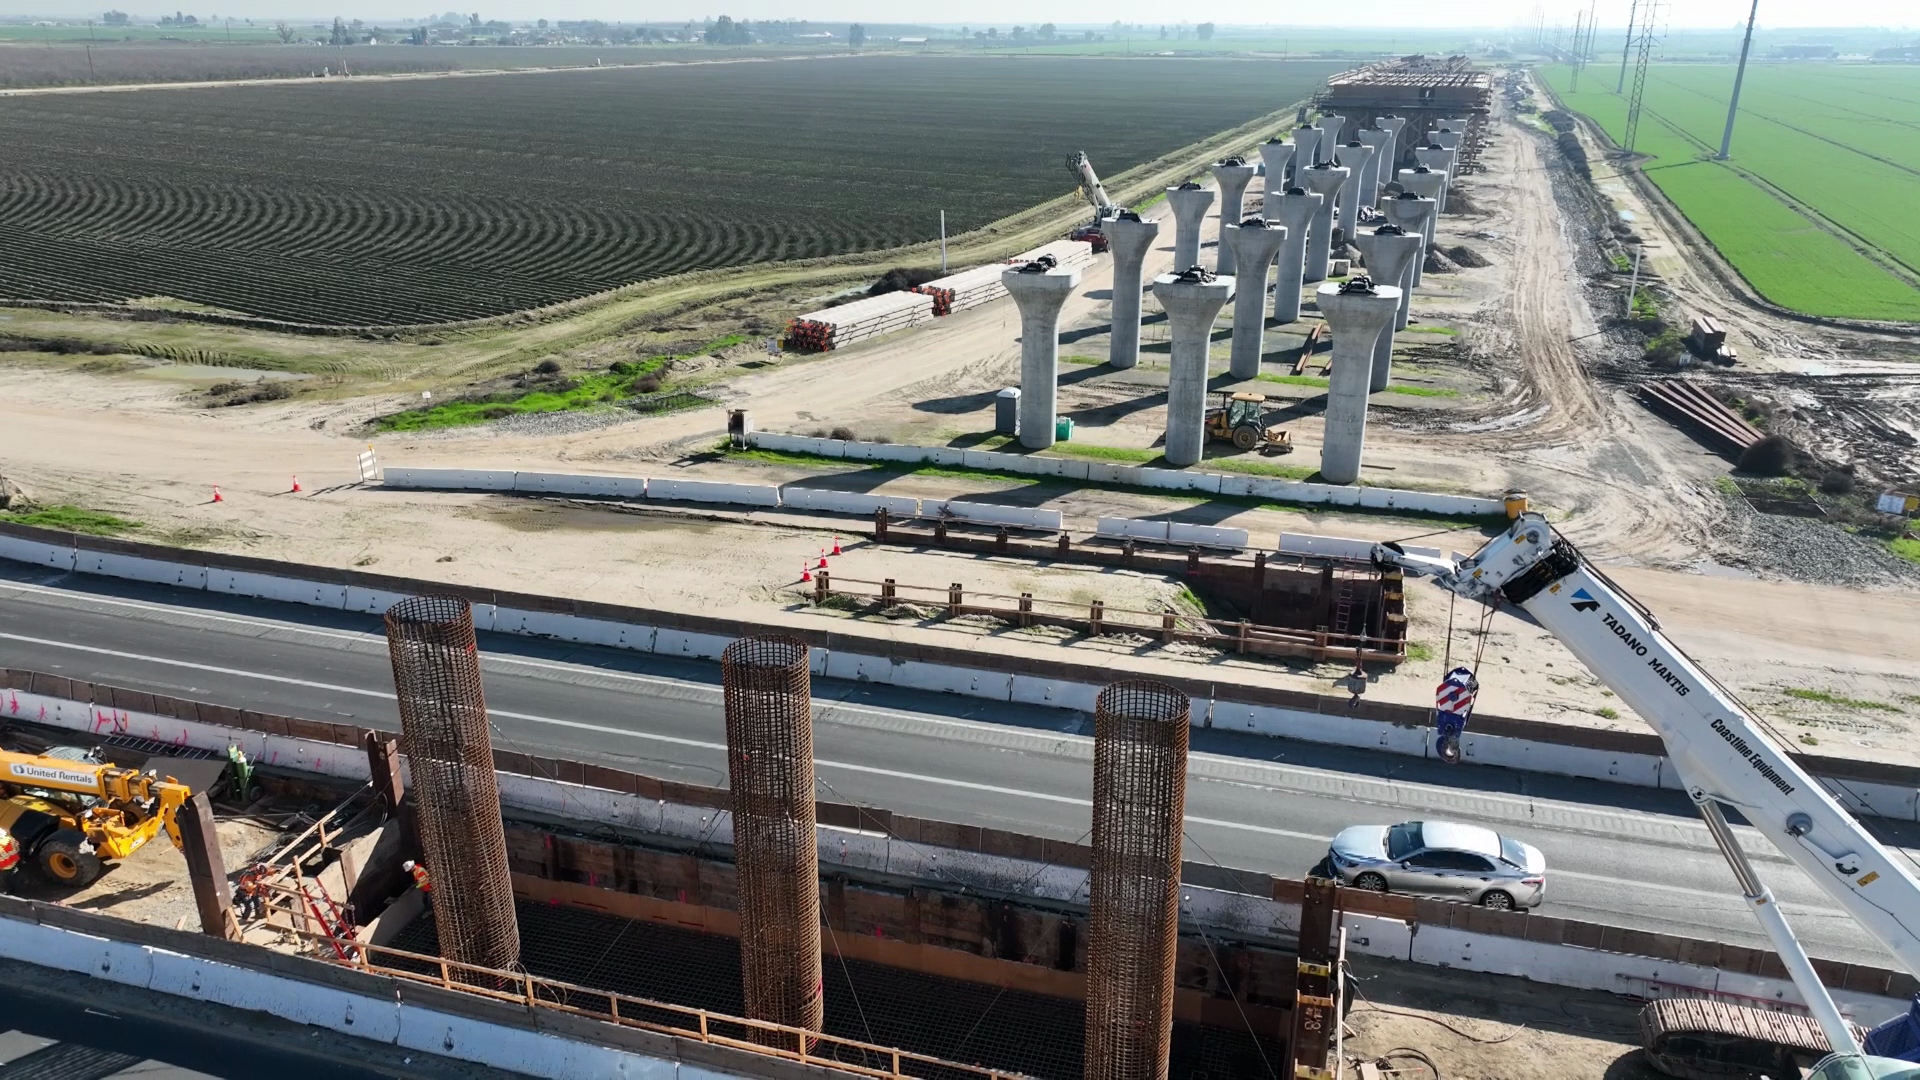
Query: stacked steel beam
{"x": 1691, "y": 407}
{"x": 444, "y": 729}
{"x": 1139, "y": 803}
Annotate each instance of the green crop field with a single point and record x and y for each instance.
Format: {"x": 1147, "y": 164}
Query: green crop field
{"x": 376, "y": 202}
{"x": 1809, "y": 208}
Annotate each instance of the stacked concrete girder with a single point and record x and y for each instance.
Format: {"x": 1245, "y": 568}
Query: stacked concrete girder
{"x": 1255, "y": 242}
{"x": 1435, "y": 159}
{"x": 1358, "y": 312}
{"x": 1325, "y": 181}
{"x": 1377, "y": 165}
{"x": 769, "y": 715}
{"x": 1414, "y": 214}
{"x": 1331, "y": 124}
{"x": 1189, "y": 202}
{"x": 1039, "y": 289}
{"x": 1294, "y": 210}
{"x": 444, "y": 728}
{"x": 1355, "y": 155}
{"x": 1233, "y": 175}
{"x": 1140, "y": 733}
{"x": 1390, "y": 165}
{"x": 1306, "y": 140}
{"x": 1276, "y": 155}
{"x": 1191, "y": 299}
{"x": 1129, "y": 237}
{"x": 1390, "y": 252}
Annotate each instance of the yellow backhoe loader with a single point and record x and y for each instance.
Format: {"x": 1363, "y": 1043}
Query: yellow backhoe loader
{"x": 1237, "y": 420}
{"x": 72, "y": 813}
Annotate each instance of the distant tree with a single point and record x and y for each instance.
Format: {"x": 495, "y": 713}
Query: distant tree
{"x": 993, "y": 31}
{"x": 1048, "y": 30}
{"x": 1089, "y": 36}
{"x": 1205, "y": 30}
{"x": 1019, "y": 33}
{"x": 1163, "y": 33}
{"x": 115, "y": 18}
{"x": 542, "y": 24}
{"x": 857, "y": 35}
{"x": 473, "y": 19}
{"x": 418, "y": 36}
{"x": 725, "y": 31}
{"x": 339, "y": 35}
{"x": 285, "y": 32}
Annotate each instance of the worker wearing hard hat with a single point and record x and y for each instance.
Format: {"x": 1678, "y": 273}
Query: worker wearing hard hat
{"x": 420, "y": 879}
{"x": 9, "y": 860}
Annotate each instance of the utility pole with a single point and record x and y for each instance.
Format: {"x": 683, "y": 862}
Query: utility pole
{"x": 1633, "y": 13}
{"x": 1739, "y": 76}
{"x": 943, "y": 242}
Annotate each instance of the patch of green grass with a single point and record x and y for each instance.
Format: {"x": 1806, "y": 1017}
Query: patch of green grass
{"x": 1621, "y": 262}
{"x": 1827, "y": 697}
{"x": 72, "y": 519}
{"x": 1423, "y": 391}
{"x": 1125, "y": 454}
{"x": 1320, "y": 382}
{"x": 1607, "y": 712}
{"x": 1906, "y": 547}
{"x": 1419, "y": 650}
{"x": 1085, "y": 361}
{"x": 1294, "y": 380}
{"x": 1262, "y": 468}
{"x": 1447, "y": 330}
{"x": 600, "y": 388}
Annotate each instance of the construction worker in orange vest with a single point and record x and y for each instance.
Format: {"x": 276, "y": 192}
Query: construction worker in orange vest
{"x": 9, "y": 860}
{"x": 420, "y": 879}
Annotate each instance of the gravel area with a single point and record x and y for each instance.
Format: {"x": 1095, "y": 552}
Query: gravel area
{"x": 1807, "y": 549}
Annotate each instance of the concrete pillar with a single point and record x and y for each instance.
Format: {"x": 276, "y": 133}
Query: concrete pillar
{"x": 1276, "y": 155}
{"x": 1413, "y": 214}
{"x": 1306, "y": 140}
{"x": 1434, "y": 159}
{"x": 1390, "y": 255}
{"x": 1191, "y": 300}
{"x": 1294, "y": 210}
{"x": 1390, "y": 164}
{"x": 1446, "y": 137}
{"x": 1325, "y": 181}
{"x": 1039, "y": 290}
{"x": 1129, "y": 238}
{"x": 1358, "y": 312}
{"x": 1189, "y": 202}
{"x": 1376, "y": 165}
{"x": 1331, "y": 124}
{"x": 1355, "y": 155}
{"x": 1233, "y": 174}
{"x": 1255, "y": 242}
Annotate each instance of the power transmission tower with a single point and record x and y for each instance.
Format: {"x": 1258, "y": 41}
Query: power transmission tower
{"x": 1578, "y": 58}
{"x": 1633, "y": 16}
{"x": 1649, "y": 34}
{"x": 1739, "y": 76}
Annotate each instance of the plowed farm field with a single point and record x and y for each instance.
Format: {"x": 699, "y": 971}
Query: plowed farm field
{"x": 381, "y": 203}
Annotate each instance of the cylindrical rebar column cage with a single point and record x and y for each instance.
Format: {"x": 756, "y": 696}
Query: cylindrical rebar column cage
{"x": 444, "y": 730}
{"x": 769, "y": 702}
{"x": 1139, "y": 803}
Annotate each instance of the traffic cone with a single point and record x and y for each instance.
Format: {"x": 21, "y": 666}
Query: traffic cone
{"x": 836, "y": 545}
{"x": 217, "y": 497}
{"x": 823, "y": 562}
{"x": 296, "y": 485}
{"x": 806, "y": 572}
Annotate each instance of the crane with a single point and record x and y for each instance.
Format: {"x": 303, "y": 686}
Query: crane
{"x": 1720, "y": 749}
{"x": 1091, "y": 189}
{"x": 70, "y": 813}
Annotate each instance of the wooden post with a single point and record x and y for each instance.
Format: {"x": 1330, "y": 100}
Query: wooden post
{"x": 1094, "y": 617}
{"x": 1314, "y": 1016}
{"x": 880, "y": 525}
{"x": 940, "y": 531}
{"x": 207, "y": 868}
{"x": 1126, "y": 551}
{"x": 1242, "y": 647}
{"x": 1259, "y": 571}
{"x": 1193, "y": 560}
{"x": 887, "y": 591}
{"x": 1026, "y": 609}
{"x": 955, "y": 598}
{"x": 383, "y": 763}
{"x": 822, "y": 588}
{"x": 1000, "y": 540}
{"x": 1066, "y": 546}
{"x": 1166, "y": 628}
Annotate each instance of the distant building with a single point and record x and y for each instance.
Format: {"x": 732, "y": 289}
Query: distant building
{"x": 911, "y": 40}
{"x": 1806, "y": 52}
{"x": 1898, "y": 53}
{"x": 819, "y": 36}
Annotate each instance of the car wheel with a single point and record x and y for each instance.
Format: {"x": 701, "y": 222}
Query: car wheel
{"x": 1497, "y": 900}
{"x": 1370, "y": 882}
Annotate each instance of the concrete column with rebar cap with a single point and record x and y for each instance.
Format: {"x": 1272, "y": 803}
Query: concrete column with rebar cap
{"x": 1293, "y": 209}
{"x": 1414, "y": 214}
{"x": 1376, "y": 166}
{"x": 1255, "y": 242}
{"x": 1358, "y": 312}
{"x": 1276, "y": 154}
{"x": 1355, "y": 156}
{"x": 1233, "y": 175}
{"x": 1129, "y": 237}
{"x": 1306, "y": 154}
{"x": 1039, "y": 289}
{"x": 1330, "y": 123}
{"x": 1189, "y": 203}
{"x": 1390, "y": 252}
{"x": 1446, "y": 137}
{"x": 1390, "y": 163}
{"x": 1436, "y": 159}
{"x": 1191, "y": 299}
{"x": 1325, "y": 181}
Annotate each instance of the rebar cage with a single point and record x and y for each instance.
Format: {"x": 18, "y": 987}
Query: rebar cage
{"x": 445, "y": 732}
{"x": 769, "y": 706}
{"x": 1139, "y": 802}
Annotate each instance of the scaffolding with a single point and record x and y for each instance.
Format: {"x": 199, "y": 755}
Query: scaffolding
{"x": 1424, "y": 89}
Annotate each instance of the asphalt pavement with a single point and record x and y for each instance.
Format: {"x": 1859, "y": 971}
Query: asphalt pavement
{"x": 1616, "y": 854}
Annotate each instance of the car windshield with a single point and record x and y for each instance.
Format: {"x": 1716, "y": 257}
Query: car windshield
{"x": 1402, "y": 839}
{"x": 1511, "y": 851}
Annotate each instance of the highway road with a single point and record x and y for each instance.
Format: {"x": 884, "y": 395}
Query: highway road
{"x": 1616, "y": 854}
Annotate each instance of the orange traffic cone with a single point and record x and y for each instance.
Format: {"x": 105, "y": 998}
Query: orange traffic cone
{"x": 217, "y": 497}
{"x": 836, "y": 545}
{"x": 823, "y": 562}
{"x": 296, "y": 485}
{"x": 806, "y": 572}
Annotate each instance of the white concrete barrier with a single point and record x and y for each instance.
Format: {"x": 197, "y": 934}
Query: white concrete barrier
{"x": 1137, "y": 528}
{"x": 448, "y": 479}
{"x": 38, "y": 552}
{"x": 622, "y": 487}
{"x": 1025, "y": 517}
{"x": 796, "y": 497}
{"x": 134, "y": 568}
{"x": 1329, "y": 547}
{"x": 1206, "y": 535}
{"x": 709, "y": 491}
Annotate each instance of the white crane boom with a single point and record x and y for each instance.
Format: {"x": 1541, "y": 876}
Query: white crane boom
{"x": 1720, "y": 749}
{"x": 1090, "y": 186}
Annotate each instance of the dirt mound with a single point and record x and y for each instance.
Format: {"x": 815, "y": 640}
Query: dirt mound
{"x": 1462, "y": 255}
{"x": 901, "y": 278}
{"x": 1437, "y": 262}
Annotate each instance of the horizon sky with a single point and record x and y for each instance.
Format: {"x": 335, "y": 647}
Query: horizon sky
{"x": 1386, "y": 15}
